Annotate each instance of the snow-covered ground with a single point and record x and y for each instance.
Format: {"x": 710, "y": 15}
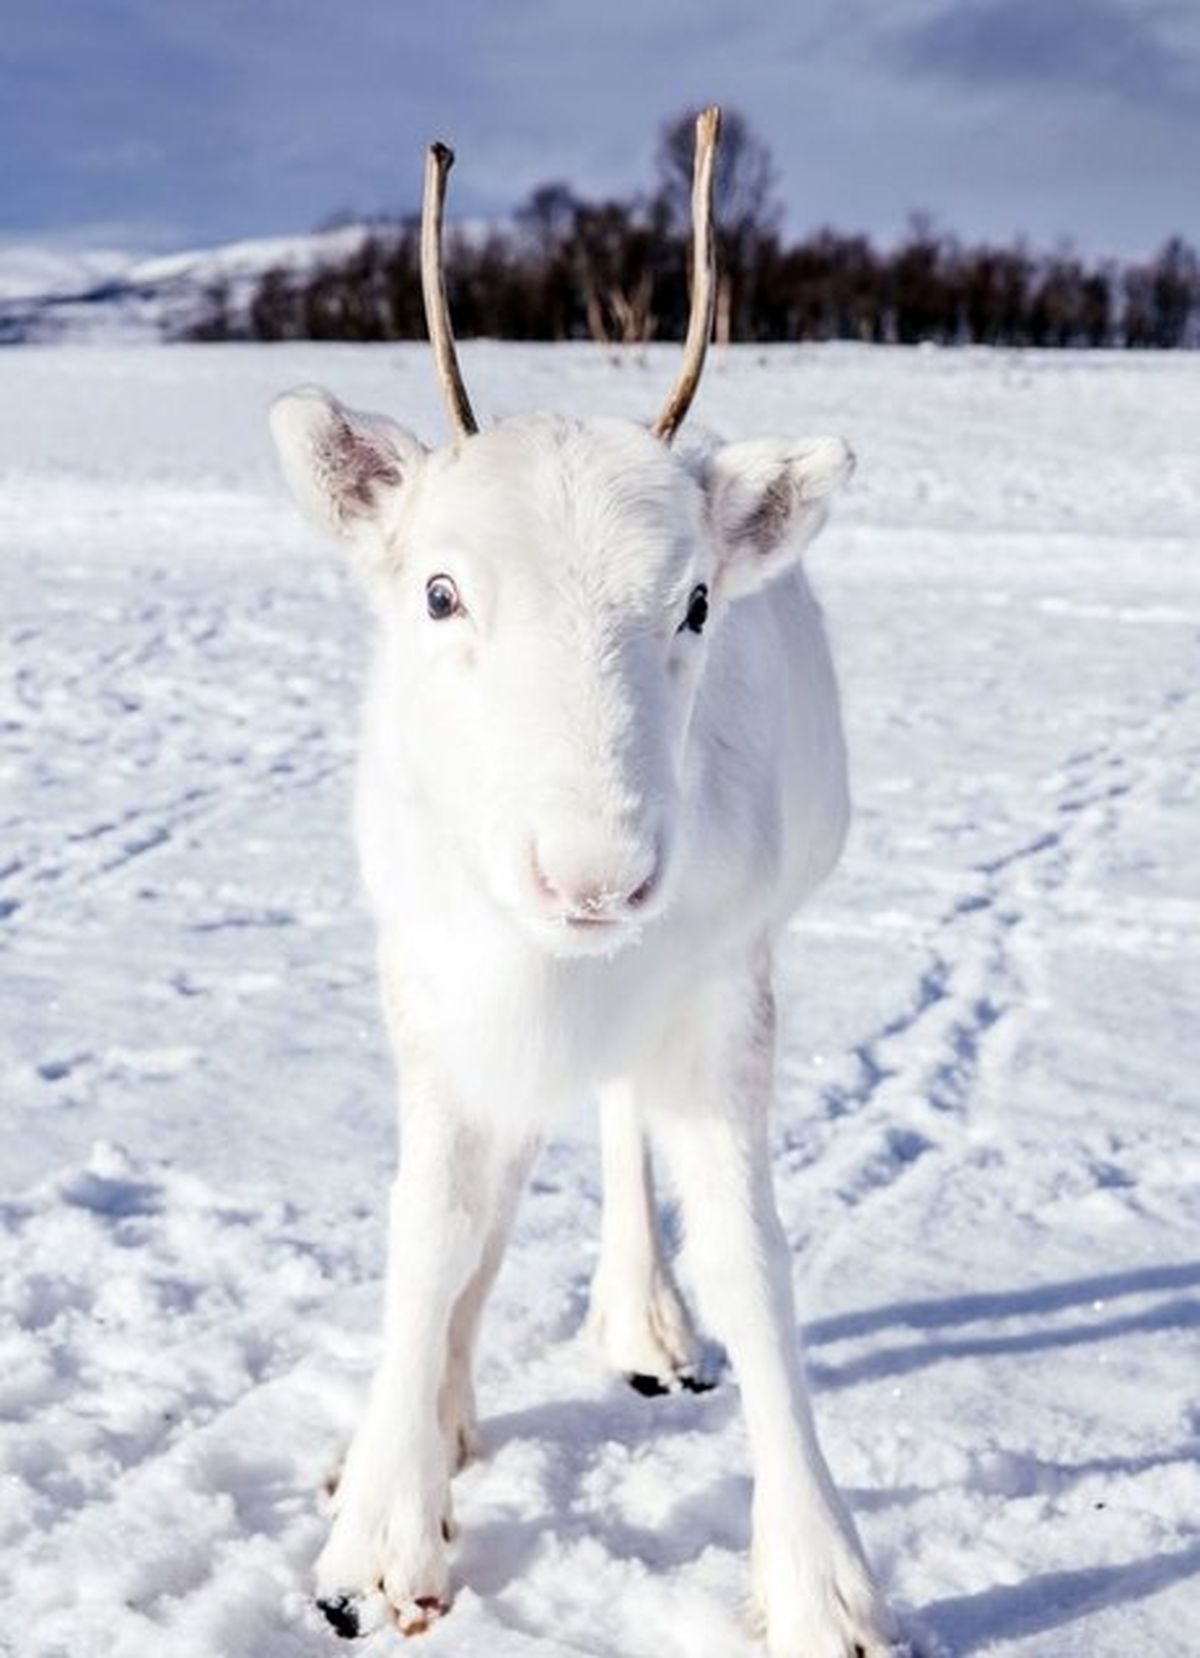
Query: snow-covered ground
{"x": 989, "y": 1123}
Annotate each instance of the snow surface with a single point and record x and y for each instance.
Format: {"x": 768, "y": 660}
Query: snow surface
{"x": 988, "y": 1130}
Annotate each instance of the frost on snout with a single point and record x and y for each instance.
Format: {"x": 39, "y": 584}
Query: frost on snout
{"x": 589, "y": 879}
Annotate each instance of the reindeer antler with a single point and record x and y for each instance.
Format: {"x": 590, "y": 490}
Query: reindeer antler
{"x": 704, "y": 278}
{"x": 439, "y": 159}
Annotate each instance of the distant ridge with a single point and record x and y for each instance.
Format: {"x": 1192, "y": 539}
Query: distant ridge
{"x": 47, "y": 296}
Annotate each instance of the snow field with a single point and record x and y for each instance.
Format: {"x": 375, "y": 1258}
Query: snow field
{"x": 988, "y": 1120}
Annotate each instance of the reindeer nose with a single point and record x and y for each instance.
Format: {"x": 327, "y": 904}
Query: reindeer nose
{"x": 596, "y": 888}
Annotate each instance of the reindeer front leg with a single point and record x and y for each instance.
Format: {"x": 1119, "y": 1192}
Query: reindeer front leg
{"x": 386, "y": 1552}
{"x": 636, "y": 1312}
{"x": 456, "y": 1402}
{"x": 712, "y": 1088}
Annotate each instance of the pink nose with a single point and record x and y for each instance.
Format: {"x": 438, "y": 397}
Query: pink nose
{"x": 596, "y": 893}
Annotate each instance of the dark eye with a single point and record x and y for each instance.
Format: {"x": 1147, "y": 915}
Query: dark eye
{"x": 697, "y": 611}
{"x": 441, "y": 598}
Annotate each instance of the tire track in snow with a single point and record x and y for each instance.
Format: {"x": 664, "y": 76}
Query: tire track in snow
{"x": 86, "y": 854}
{"x": 288, "y": 753}
{"x": 917, "y": 1072}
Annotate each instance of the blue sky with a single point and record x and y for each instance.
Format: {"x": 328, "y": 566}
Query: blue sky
{"x": 168, "y": 123}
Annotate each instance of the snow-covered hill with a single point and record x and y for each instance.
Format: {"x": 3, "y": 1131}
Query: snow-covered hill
{"x": 112, "y": 297}
{"x": 988, "y": 1141}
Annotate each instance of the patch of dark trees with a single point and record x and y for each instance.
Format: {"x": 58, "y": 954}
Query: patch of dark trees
{"x": 617, "y": 272}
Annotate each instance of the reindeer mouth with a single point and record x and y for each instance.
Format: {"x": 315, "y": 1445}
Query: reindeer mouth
{"x": 575, "y": 936}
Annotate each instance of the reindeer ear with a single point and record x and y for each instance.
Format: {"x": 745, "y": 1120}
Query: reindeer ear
{"x": 768, "y": 498}
{"x": 341, "y": 467}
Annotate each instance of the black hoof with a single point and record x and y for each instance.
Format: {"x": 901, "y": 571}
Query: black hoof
{"x": 341, "y": 1613}
{"x": 650, "y": 1387}
{"x": 654, "y": 1387}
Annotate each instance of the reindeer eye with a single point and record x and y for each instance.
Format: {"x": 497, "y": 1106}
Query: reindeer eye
{"x": 697, "y": 611}
{"x": 441, "y": 598}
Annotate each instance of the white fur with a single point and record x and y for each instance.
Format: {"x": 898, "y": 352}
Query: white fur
{"x": 581, "y": 830}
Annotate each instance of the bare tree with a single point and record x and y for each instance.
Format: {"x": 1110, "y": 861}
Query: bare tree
{"x": 745, "y": 206}
{"x": 275, "y": 309}
{"x": 1175, "y": 293}
{"x": 618, "y": 270}
{"x": 214, "y": 318}
{"x": 613, "y": 253}
{"x": 548, "y": 217}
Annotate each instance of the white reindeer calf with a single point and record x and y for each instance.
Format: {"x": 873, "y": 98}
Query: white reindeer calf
{"x": 601, "y": 765}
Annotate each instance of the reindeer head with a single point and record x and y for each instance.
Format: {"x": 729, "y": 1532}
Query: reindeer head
{"x": 549, "y": 592}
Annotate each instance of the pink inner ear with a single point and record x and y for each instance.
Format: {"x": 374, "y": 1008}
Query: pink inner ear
{"x": 358, "y": 464}
{"x": 764, "y": 525}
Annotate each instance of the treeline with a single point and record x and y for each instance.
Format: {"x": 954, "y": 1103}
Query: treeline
{"x": 617, "y": 272}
